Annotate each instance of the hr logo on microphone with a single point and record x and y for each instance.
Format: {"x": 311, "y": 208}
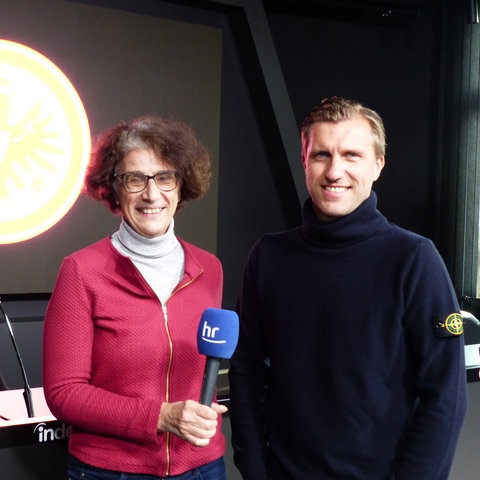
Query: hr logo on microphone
{"x": 217, "y": 333}
{"x": 209, "y": 333}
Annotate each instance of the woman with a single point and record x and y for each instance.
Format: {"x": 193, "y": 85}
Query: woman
{"x": 120, "y": 361}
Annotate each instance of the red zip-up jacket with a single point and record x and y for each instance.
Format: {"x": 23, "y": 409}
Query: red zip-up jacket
{"x": 112, "y": 354}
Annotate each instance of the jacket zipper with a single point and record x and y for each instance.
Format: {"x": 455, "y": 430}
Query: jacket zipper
{"x": 170, "y": 360}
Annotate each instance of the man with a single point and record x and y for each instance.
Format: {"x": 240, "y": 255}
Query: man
{"x": 350, "y": 360}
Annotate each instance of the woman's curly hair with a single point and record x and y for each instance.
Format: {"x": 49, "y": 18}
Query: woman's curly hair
{"x": 173, "y": 141}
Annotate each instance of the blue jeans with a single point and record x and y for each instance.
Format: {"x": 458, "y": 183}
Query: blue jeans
{"x": 78, "y": 470}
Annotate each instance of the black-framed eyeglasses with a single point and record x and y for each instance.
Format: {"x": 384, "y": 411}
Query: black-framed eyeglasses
{"x": 135, "y": 182}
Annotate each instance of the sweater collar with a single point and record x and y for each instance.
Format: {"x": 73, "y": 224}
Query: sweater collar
{"x": 141, "y": 246}
{"x": 362, "y": 223}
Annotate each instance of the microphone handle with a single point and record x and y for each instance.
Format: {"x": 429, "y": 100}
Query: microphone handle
{"x": 27, "y": 396}
{"x": 209, "y": 380}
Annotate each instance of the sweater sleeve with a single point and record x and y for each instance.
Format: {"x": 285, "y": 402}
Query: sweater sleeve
{"x": 247, "y": 375}
{"x": 440, "y": 378}
{"x": 67, "y": 361}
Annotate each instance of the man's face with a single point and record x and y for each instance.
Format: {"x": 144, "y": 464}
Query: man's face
{"x": 340, "y": 166}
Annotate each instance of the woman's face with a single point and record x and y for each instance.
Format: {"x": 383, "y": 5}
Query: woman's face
{"x": 150, "y": 211}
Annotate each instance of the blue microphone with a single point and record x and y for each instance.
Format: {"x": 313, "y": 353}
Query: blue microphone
{"x": 217, "y": 338}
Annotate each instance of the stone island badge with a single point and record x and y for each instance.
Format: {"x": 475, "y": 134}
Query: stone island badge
{"x": 451, "y": 326}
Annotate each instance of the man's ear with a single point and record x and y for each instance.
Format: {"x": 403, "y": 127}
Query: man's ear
{"x": 379, "y": 164}
{"x": 304, "y": 158}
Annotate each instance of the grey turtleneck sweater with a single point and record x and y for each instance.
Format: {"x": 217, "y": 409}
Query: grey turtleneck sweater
{"x": 160, "y": 259}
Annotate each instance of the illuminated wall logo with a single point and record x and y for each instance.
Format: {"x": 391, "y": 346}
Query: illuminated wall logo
{"x": 44, "y": 143}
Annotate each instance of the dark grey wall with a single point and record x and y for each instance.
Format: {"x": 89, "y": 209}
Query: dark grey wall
{"x": 390, "y": 64}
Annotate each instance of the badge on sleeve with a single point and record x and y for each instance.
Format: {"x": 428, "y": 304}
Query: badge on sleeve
{"x": 451, "y": 326}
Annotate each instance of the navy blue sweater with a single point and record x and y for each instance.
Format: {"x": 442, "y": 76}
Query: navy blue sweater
{"x": 343, "y": 369}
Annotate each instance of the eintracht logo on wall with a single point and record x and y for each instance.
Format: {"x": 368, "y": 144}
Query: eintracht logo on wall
{"x": 44, "y": 143}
